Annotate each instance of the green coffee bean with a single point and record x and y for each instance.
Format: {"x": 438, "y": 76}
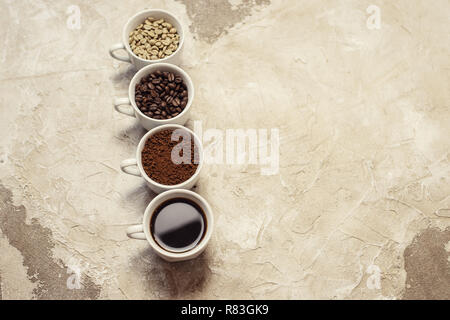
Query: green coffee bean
{"x": 154, "y": 39}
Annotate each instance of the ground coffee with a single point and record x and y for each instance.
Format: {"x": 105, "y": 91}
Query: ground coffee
{"x": 161, "y": 95}
{"x": 157, "y": 159}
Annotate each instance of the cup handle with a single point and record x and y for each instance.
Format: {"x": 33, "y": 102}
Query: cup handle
{"x": 127, "y": 167}
{"x": 136, "y": 232}
{"x": 116, "y": 47}
{"x": 122, "y": 105}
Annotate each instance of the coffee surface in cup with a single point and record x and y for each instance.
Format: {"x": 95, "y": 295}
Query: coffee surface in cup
{"x": 178, "y": 225}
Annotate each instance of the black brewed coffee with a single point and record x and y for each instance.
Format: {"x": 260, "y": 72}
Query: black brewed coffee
{"x": 178, "y": 224}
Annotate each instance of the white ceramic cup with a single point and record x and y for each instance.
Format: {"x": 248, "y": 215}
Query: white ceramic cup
{"x": 128, "y": 105}
{"x": 134, "y": 166}
{"x": 136, "y": 20}
{"x": 143, "y": 232}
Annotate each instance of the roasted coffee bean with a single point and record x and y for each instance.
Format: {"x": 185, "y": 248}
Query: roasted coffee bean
{"x": 161, "y": 95}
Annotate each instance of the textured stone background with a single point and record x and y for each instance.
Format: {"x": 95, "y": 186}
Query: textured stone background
{"x": 363, "y": 185}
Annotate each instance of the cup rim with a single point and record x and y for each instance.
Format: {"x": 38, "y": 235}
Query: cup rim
{"x": 146, "y": 70}
{"x": 141, "y": 146}
{"x": 149, "y": 11}
{"x": 203, "y": 242}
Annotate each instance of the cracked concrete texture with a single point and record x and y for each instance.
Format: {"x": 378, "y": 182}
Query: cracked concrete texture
{"x": 211, "y": 19}
{"x": 427, "y": 265}
{"x": 363, "y": 187}
{"x": 35, "y": 244}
